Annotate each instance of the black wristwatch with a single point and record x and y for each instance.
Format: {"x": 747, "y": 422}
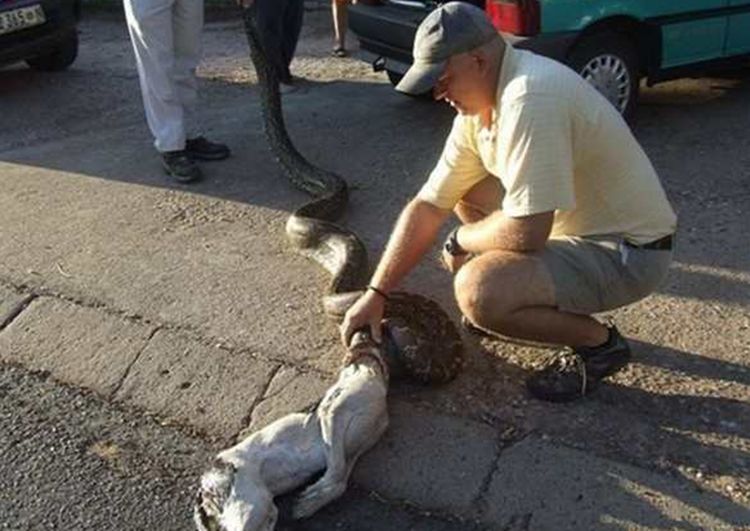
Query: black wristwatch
{"x": 452, "y": 247}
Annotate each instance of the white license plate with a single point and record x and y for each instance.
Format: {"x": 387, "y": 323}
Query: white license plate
{"x": 23, "y": 17}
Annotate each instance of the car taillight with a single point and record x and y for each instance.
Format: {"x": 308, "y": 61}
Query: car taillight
{"x": 519, "y": 17}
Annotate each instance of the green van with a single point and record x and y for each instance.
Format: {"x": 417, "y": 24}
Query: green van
{"x": 611, "y": 43}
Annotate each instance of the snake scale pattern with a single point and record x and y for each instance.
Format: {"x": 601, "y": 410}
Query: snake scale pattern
{"x": 420, "y": 341}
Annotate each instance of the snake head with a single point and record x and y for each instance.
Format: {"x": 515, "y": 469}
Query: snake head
{"x": 362, "y": 339}
{"x": 418, "y": 355}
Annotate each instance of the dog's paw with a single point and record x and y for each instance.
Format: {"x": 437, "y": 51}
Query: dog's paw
{"x": 315, "y": 497}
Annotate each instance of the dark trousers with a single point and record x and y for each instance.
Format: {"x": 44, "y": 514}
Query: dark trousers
{"x": 280, "y": 23}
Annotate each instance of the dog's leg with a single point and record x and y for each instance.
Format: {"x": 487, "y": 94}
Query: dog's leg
{"x": 270, "y": 523}
{"x": 250, "y": 507}
{"x": 335, "y": 430}
{"x": 332, "y": 484}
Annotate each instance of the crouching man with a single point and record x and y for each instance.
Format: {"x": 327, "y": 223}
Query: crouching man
{"x": 562, "y": 212}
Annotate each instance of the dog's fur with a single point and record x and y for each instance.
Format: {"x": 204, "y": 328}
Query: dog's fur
{"x": 237, "y": 493}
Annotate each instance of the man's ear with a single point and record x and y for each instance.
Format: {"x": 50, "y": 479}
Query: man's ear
{"x": 480, "y": 59}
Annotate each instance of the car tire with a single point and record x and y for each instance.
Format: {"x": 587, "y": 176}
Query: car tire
{"x": 609, "y": 61}
{"x": 59, "y": 59}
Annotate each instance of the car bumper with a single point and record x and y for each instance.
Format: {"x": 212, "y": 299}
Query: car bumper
{"x": 39, "y": 40}
{"x": 40, "y": 45}
{"x": 386, "y": 35}
{"x": 386, "y": 31}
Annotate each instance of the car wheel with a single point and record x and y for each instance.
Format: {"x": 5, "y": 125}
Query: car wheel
{"x": 610, "y": 63}
{"x": 59, "y": 59}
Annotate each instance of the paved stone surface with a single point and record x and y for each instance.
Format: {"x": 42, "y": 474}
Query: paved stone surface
{"x": 359, "y": 511}
{"x": 290, "y": 391}
{"x": 434, "y": 461}
{"x": 203, "y": 386}
{"x": 545, "y": 486}
{"x": 185, "y": 262}
{"x": 80, "y": 345}
{"x": 11, "y": 302}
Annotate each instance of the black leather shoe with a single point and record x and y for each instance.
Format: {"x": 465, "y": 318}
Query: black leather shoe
{"x": 574, "y": 373}
{"x": 201, "y": 148}
{"x": 179, "y": 165}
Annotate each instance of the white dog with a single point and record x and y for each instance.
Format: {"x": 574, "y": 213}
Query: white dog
{"x": 237, "y": 493}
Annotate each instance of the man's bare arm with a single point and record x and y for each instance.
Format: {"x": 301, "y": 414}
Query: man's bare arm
{"x": 415, "y": 231}
{"x": 498, "y": 231}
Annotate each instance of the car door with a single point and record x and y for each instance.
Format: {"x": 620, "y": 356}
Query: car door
{"x": 738, "y": 29}
{"x": 692, "y": 30}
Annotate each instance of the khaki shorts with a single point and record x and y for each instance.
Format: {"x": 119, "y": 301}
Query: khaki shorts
{"x": 599, "y": 273}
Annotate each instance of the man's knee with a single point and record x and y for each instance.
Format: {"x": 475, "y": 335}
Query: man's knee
{"x": 476, "y": 286}
{"x": 492, "y": 286}
{"x": 465, "y": 290}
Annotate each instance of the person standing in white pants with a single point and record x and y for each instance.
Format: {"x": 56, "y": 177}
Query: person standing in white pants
{"x": 166, "y": 37}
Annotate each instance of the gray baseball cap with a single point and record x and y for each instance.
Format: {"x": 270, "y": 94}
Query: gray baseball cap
{"x": 453, "y": 28}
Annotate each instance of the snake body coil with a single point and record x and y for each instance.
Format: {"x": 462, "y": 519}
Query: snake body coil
{"x": 421, "y": 341}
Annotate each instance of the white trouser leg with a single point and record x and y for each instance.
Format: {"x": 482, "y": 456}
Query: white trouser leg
{"x": 187, "y": 30}
{"x": 151, "y": 32}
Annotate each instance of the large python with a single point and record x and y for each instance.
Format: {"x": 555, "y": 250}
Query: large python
{"x": 421, "y": 342}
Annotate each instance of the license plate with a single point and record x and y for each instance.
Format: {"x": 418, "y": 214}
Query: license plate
{"x": 21, "y": 18}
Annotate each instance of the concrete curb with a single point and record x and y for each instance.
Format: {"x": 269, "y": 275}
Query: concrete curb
{"x": 439, "y": 464}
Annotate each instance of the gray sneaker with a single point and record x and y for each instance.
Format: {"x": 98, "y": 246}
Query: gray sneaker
{"x": 574, "y": 373}
{"x": 179, "y": 165}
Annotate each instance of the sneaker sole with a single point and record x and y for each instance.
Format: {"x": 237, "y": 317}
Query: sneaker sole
{"x": 207, "y": 157}
{"x": 183, "y": 178}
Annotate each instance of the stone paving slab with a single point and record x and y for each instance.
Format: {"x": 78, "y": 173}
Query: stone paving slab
{"x": 357, "y": 510}
{"x": 207, "y": 387}
{"x": 78, "y": 345}
{"x": 540, "y": 486}
{"x": 435, "y": 461}
{"x": 217, "y": 265}
{"x": 10, "y": 303}
{"x": 290, "y": 391}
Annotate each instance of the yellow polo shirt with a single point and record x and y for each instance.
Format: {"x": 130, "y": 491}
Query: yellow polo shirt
{"x": 555, "y": 144}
